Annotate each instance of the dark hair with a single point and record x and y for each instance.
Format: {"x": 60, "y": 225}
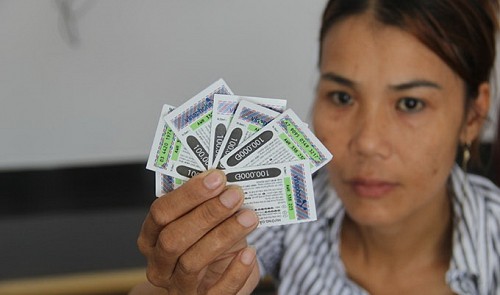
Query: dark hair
{"x": 495, "y": 163}
{"x": 460, "y": 32}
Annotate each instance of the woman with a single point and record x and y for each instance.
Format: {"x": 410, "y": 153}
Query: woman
{"x": 403, "y": 85}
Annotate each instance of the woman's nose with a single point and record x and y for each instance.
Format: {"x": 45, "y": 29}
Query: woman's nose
{"x": 371, "y": 135}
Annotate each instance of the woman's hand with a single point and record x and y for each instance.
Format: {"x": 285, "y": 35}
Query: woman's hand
{"x": 194, "y": 239}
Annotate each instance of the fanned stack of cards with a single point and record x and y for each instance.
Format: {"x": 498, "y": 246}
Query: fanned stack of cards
{"x": 262, "y": 147}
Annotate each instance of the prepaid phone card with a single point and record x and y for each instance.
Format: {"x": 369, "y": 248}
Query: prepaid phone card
{"x": 283, "y": 140}
{"x": 166, "y": 183}
{"x": 192, "y": 120}
{"x": 279, "y": 194}
{"x": 248, "y": 119}
{"x": 223, "y": 111}
{"x": 168, "y": 155}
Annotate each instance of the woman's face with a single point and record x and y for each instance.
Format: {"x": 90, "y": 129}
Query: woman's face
{"x": 391, "y": 112}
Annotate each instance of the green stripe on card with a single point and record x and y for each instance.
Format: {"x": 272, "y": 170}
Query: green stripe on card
{"x": 289, "y": 198}
{"x": 304, "y": 143}
{"x": 253, "y": 128}
{"x": 201, "y": 121}
{"x": 162, "y": 158}
{"x": 289, "y": 143}
{"x": 177, "y": 150}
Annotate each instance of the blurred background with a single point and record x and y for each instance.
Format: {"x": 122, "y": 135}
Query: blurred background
{"x": 82, "y": 83}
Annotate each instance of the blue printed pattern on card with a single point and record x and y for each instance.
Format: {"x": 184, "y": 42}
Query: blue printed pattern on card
{"x": 195, "y": 111}
{"x": 226, "y": 107}
{"x": 167, "y": 183}
{"x": 254, "y": 116}
{"x": 299, "y": 191}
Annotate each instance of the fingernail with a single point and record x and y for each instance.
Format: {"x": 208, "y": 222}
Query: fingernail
{"x": 230, "y": 198}
{"x": 247, "y": 218}
{"x": 213, "y": 180}
{"x": 248, "y": 256}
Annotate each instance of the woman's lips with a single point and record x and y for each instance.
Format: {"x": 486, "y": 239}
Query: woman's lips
{"x": 370, "y": 188}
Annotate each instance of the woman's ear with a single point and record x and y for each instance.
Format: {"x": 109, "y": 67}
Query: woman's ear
{"x": 476, "y": 114}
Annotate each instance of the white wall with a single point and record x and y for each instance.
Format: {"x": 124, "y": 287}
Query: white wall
{"x": 87, "y": 86}
{"x": 94, "y": 94}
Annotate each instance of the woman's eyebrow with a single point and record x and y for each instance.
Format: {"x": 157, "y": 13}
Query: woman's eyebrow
{"x": 330, "y": 76}
{"x": 414, "y": 84}
{"x": 333, "y": 77}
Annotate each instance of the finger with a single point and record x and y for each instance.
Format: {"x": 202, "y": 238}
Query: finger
{"x": 183, "y": 233}
{"x": 215, "y": 270}
{"x": 237, "y": 274}
{"x": 177, "y": 203}
{"x": 147, "y": 288}
{"x": 218, "y": 241}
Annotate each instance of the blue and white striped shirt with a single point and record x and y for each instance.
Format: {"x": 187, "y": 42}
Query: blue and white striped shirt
{"x": 305, "y": 258}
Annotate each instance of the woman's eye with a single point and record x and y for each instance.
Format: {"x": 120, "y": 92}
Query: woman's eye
{"x": 410, "y": 105}
{"x": 340, "y": 98}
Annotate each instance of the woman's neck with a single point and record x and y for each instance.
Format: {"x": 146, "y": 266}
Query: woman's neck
{"x": 423, "y": 238}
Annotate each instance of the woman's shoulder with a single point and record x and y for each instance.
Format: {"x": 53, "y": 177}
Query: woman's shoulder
{"x": 479, "y": 207}
{"x": 486, "y": 196}
{"x": 484, "y": 190}
{"x": 476, "y": 207}
{"x": 475, "y": 192}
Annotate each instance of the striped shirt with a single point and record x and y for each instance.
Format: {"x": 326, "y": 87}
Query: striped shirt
{"x": 305, "y": 259}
